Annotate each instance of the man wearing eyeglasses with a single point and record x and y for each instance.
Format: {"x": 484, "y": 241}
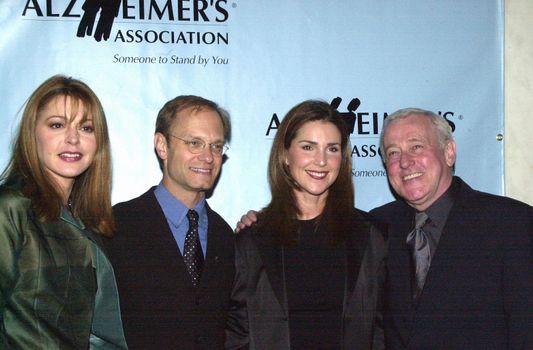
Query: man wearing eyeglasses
{"x": 173, "y": 255}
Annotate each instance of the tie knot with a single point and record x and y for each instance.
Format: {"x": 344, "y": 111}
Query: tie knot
{"x": 192, "y": 215}
{"x": 420, "y": 219}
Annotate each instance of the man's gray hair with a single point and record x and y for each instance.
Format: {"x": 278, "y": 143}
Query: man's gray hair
{"x": 444, "y": 130}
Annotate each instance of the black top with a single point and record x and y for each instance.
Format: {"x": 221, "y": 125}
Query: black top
{"x": 315, "y": 273}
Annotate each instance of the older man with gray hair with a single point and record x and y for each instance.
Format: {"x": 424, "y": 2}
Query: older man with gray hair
{"x": 460, "y": 262}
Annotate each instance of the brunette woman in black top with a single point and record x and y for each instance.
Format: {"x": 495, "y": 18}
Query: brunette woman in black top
{"x": 309, "y": 273}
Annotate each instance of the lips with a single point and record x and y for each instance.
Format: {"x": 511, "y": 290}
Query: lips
{"x": 411, "y": 176}
{"x": 70, "y": 156}
{"x": 201, "y": 171}
{"x": 318, "y": 175}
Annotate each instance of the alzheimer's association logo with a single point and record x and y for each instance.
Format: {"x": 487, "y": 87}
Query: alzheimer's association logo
{"x": 183, "y": 22}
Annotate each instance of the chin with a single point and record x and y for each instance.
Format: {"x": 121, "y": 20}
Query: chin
{"x": 204, "y": 187}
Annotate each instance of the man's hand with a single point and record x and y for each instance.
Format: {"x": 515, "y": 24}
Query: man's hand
{"x": 246, "y": 220}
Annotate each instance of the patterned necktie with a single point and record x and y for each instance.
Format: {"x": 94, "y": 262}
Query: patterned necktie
{"x": 192, "y": 255}
{"x": 418, "y": 241}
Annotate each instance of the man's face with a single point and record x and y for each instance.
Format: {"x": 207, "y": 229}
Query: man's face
{"x": 185, "y": 174}
{"x": 418, "y": 168}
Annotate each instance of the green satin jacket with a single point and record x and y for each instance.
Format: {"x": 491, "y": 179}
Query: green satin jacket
{"x": 57, "y": 288}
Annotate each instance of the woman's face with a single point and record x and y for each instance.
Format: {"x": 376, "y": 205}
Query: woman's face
{"x": 314, "y": 159}
{"x": 66, "y": 144}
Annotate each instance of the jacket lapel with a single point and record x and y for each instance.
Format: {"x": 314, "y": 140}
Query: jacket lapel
{"x": 271, "y": 256}
{"x": 399, "y": 273}
{"x": 452, "y": 250}
{"x": 354, "y": 248}
{"x": 213, "y": 258}
{"x": 453, "y": 236}
{"x": 164, "y": 243}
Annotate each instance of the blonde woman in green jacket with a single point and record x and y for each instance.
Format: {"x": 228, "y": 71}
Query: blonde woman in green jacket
{"x": 57, "y": 287}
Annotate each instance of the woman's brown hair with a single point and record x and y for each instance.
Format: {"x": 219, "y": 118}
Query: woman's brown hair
{"x": 90, "y": 197}
{"x": 282, "y": 212}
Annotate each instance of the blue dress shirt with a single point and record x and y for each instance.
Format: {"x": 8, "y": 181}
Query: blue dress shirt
{"x": 176, "y": 213}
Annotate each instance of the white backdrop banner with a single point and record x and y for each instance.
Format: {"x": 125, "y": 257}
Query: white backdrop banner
{"x": 257, "y": 59}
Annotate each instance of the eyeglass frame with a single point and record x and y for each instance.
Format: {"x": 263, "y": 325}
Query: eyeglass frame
{"x": 188, "y": 143}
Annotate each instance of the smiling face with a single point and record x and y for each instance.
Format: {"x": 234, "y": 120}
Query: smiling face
{"x": 314, "y": 159}
{"x": 418, "y": 167}
{"x": 66, "y": 143}
{"x": 187, "y": 175}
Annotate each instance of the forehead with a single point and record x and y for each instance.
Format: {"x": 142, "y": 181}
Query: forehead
{"x": 192, "y": 119}
{"x": 413, "y": 127}
{"x": 64, "y": 106}
{"x": 318, "y": 127}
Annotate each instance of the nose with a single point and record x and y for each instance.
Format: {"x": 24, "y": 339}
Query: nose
{"x": 72, "y": 135}
{"x": 321, "y": 158}
{"x": 207, "y": 154}
{"x": 405, "y": 160}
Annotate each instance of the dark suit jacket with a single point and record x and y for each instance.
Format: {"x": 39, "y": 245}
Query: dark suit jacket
{"x": 259, "y": 318}
{"x": 160, "y": 307}
{"x": 478, "y": 291}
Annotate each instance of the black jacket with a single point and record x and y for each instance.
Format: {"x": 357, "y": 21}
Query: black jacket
{"x": 479, "y": 289}
{"x": 160, "y": 307}
{"x": 258, "y": 318}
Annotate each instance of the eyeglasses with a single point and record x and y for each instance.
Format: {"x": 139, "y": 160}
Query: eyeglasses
{"x": 197, "y": 146}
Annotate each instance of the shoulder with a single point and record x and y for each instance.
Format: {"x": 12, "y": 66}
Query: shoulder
{"x": 491, "y": 200}
{"x": 214, "y": 219}
{"x": 16, "y": 214}
{"x": 218, "y": 230}
{"x": 389, "y": 212}
{"x": 370, "y": 219}
{"x": 490, "y": 203}
{"x": 135, "y": 220}
{"x": 368, "y": 228}
{"x": 248, "y": 236}
{"x": 500, "y": 221}
{"x": 12, "y": 200}
{"x": 136, "y": 205}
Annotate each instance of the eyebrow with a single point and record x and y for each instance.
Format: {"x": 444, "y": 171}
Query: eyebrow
{"x": 56, "y": 116}
{"x": 83, "y": 119}
{"x": 201, "y": 138}
{"x": 316, "y": 143}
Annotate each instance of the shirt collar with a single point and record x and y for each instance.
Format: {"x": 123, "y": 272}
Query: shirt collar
{"x": 174, "y": 209}
{"x": 66, "y": 216}
{"x": 439, "y": 210}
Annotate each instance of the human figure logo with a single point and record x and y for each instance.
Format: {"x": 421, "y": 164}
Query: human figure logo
{"x": 108, "y": 11}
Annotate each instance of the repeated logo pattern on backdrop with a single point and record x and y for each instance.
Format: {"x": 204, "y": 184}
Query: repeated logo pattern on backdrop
{"x": 257, "y": 59}
{"x": 365, "y": 125}
{"x": 98, "y": 16}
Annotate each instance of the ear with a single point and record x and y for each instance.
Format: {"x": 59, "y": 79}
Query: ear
{"x": 449, "y": 153}
{"x": 160, "y": 145}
